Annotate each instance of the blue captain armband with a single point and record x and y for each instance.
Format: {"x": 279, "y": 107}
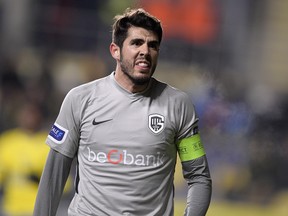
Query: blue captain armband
{"x": 190, "y": 148}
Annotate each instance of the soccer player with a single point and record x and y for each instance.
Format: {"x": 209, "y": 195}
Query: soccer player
{"x": 125, "y": 130}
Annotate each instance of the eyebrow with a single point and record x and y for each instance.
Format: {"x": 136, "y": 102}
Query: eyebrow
{"x": 136, "y": 40}
{"x": 156, "y": 42}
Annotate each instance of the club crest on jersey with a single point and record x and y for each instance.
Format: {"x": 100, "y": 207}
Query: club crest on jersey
{"x": 156, "y": 123}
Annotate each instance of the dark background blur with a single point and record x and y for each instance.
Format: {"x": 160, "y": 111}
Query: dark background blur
{"x": 229, "y": 55}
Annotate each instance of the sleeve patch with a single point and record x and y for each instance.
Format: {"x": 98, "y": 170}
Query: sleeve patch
{"x": 190, "y": 148}
{"x": 58, "y": 134}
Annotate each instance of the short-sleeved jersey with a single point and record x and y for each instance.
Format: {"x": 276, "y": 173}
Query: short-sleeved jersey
{"x": 125, "y": 145}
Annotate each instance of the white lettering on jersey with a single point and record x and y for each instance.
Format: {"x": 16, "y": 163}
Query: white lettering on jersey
{"x": 115, "y": 157}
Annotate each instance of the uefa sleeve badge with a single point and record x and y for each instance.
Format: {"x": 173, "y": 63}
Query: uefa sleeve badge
{"x": 58, "y": 133}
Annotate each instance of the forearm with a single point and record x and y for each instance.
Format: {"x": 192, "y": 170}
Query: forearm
{"x": 198, "y": 200}
{"x": 52, "y": 184}
{"x": 197, "y": 174}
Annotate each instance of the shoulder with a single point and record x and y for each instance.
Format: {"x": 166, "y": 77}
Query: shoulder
{"x": 170, "y": 92}
{"x": 78, "y": 98}
{"x": 86, "y": 90}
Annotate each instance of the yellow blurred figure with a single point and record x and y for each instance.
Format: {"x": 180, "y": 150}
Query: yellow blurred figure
{"x": 23, "y": 153}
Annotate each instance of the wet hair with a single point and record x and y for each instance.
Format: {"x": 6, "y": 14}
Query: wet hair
{"x": 137, "y": 18}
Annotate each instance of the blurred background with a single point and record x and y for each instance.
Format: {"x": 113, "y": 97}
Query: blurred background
{"x": 230, "y": 56}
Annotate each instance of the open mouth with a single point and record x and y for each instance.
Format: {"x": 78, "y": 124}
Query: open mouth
{"x": 144, "y": 65}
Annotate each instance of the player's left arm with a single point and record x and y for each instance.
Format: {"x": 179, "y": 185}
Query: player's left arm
{"x": 194, "y": 162}
{"x": 197, "y": 175}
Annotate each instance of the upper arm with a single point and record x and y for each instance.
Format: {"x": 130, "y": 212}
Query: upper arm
{"x": 64, "y": 134}
{"x": 196, "y": 170}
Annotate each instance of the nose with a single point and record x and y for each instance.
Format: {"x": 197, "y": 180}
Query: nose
{"x": 144, "y": 50}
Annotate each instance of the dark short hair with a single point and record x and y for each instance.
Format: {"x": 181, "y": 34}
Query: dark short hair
{"x": 134, "y": 17}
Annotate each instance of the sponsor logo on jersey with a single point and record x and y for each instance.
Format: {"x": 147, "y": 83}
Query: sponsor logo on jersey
{"x": 58, "y": 133}
{"x": 94, "y": 122}
{"x": 156, "y": 123}
{"x": 115, "y": 157}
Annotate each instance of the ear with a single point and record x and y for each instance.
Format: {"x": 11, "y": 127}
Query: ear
{"x": 115, "y": 51}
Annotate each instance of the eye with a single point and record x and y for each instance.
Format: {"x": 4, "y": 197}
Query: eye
{"x": 154, "y": 45}
{"x": 137, "y": 42}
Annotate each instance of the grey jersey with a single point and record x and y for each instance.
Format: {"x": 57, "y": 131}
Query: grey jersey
{"x": 125, "y": 146}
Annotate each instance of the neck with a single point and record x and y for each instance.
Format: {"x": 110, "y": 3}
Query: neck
{"x": 125, "y": 82}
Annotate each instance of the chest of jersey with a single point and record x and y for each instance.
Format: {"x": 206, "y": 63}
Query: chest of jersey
{"x": 128, "y": 130}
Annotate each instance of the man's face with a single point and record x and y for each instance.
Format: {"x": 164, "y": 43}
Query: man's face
{"x": 139, "y": 55}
